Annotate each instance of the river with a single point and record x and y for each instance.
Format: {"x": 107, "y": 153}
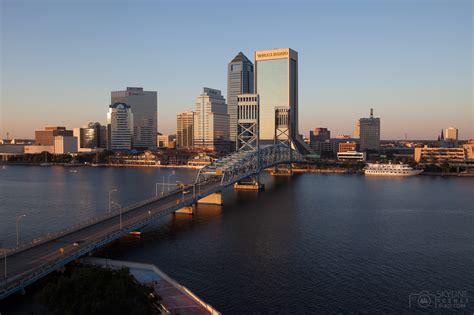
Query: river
{"x": 310, "y": 243}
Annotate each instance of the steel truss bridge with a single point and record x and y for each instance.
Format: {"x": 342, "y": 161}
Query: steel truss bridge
{"x": 27, "y": 263}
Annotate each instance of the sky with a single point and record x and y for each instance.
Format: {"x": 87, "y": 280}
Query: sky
{"x": 412, "y": 61}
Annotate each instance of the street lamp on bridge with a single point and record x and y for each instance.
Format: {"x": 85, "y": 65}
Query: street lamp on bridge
{"x": 5, "y": 266}
{"x": 120, "y": 212}
{"x": 18, "y": 218}
{"x": 169, "y": 176}
{"x": 110, "y": 194}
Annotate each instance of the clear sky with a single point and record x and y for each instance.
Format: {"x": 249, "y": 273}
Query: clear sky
{"x": 410, "y": 60}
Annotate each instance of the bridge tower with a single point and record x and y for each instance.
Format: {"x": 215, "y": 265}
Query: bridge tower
{"x": 248, "y": 134}
{"x": 283, "y": 137}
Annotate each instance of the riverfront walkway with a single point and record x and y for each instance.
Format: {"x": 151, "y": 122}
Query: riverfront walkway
{"x": 175, "y": 298}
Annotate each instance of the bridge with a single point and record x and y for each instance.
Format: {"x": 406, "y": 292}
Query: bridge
{"x": 27, "y": 263}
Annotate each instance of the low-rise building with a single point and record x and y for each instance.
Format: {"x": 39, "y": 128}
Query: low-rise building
{"x": 347, "y": 146}
{"x": 65, "y": 145}
{"x": 200, "y": 160}
{"x": 10, "y": 150}
{"x": 166, "y": 141}
{"x": 35, "y": 149}
{"x": 46, "y": 136}
{"x": 437, "y": 155}
{"x": 351, "y": 156}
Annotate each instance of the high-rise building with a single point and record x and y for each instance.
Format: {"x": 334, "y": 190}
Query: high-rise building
{"x": 370, "y": 133}
{"x": 119, "y": 127}
{"x": 145, "y": 118}
{"x": 185, "y": 130}
{"x": 211, "y": 121}
{"x": 46, "y": 136}
{"x": 451, "y": 133}
{"x": 276, "y": 83}
{"x": 239, "y": 81}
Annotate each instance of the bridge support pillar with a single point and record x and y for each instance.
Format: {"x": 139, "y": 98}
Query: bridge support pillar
{"x": 185, "y": 210}
{"x": 214, "y": 199}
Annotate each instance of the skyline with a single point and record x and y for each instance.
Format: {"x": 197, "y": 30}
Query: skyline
{"x": 411, "y": 62}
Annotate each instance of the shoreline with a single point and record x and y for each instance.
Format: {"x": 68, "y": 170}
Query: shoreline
{"x": 295, "y": 170}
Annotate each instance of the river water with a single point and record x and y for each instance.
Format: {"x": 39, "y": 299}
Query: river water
{"x": 311, "y": 243}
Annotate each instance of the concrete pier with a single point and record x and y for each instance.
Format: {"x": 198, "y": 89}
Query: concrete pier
{"x": 175, "y": 298}
{"x": 213, "y": 199}
{"x": 185, "y": 210}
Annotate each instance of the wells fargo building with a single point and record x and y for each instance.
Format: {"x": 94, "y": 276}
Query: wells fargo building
{"x": 276, "y": 82}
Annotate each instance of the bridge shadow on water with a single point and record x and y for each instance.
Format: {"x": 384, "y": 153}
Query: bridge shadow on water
{"x": 173, "y": 227}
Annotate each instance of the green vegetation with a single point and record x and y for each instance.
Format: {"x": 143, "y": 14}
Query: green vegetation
{"x": 94, "y": 290}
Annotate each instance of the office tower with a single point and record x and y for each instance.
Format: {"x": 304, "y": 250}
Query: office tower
{"x": 451, "y": 134}
{"x": 370, "y": 133}
{"x": 239, "y": 81}
{"x": 46, "y": 136}
{"x": 247, "y": 122}
{"x": 89, "y": 136}
{"x": 119, "y": 127}
{"x": 319, "y": 140}
{"x": 211, "y": 121}
{"x": 144, "y": 108}
{"x": 185, "y": 130}
{"x": 276, "y": 82}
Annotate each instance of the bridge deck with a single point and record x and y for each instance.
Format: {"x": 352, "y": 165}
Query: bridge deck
{"x": 30, "y": 264}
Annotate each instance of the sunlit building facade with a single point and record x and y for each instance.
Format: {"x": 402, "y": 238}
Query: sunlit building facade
{"x": 451, "y": 134}
{"x": 211, "y": 121}
{"x": 185, "y": 130}
{"x": 120, "y": 127}
{"x": 276, "y": 82}
{"x": 91, "y": 136}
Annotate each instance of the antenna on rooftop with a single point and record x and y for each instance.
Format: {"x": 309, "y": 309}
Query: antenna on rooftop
{"x": 371, "y": 113}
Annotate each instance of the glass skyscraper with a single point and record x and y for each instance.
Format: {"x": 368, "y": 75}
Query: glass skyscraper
{"x": 276, "y": 82}
{"x": 239, "y": 81}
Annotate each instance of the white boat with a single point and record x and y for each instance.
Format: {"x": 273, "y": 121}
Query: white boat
{"x": 389, "y": 169}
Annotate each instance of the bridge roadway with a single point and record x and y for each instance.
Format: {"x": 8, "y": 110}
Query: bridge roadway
{"x": 27, "y": 265}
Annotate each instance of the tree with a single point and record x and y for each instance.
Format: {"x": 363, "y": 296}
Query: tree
{"x": 94, "y": 290}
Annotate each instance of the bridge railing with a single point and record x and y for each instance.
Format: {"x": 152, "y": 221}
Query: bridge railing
{"x": 46, "y": 267}
{"x": 50, "y": 236}
{"x": 239, "y": 163}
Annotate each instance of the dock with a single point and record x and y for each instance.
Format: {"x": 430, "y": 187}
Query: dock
{"x": 175, "y": 298}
